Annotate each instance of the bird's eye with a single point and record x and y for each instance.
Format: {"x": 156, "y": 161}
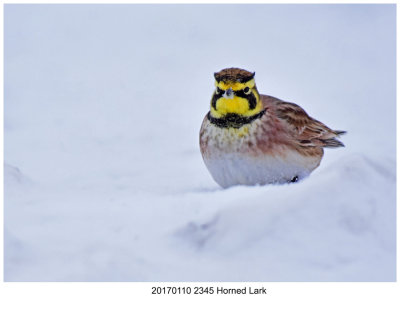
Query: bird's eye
{"x": 218, "y": 91}
{"x": 246, "y": 90}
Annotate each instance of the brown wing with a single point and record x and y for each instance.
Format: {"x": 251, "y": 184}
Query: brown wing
{"x": 307, "y": 131}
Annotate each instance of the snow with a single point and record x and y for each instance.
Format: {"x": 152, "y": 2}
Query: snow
{"x": 104, "y": 180}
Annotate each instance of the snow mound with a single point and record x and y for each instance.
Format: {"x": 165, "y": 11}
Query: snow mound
{"x": 318, "y": 229}
{"x": 13, "y": 176}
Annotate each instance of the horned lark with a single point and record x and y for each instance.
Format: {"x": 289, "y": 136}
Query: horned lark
{"x": 248, "y": 139}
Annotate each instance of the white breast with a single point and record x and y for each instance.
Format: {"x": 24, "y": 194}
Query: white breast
{"x": 230, "y": 162}
{"x": 239, "y": 169}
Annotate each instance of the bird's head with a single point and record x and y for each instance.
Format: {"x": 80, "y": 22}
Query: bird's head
{"x": 235, "y": 93}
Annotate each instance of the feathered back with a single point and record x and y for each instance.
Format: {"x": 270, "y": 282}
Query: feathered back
{"x": 308, "y": 131}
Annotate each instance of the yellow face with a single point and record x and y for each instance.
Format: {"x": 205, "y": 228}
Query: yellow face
{"x": 238, "y": 98}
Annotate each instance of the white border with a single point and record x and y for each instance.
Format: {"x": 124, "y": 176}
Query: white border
{"x": 138, "y": 295}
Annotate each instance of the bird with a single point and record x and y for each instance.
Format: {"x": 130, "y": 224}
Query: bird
{"x": 248, "y": 138}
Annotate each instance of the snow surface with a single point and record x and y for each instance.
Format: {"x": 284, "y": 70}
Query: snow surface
{"x": 104, "y": 180}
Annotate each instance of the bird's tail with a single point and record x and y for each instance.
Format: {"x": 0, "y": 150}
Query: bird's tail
{"x": 332, "y": 143}
{"x": 339, "y": 132}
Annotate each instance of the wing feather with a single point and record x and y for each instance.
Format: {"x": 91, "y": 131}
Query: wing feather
{"x": 307, "y": 131}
